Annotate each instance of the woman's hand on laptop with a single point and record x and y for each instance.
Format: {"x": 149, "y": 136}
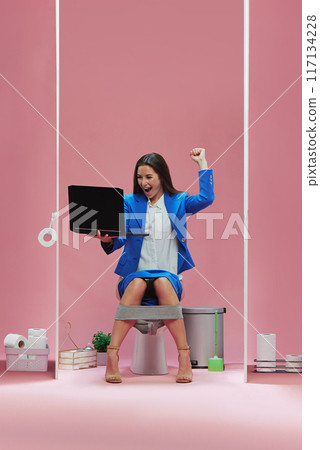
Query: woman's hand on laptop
{"x": 106, "y": 238}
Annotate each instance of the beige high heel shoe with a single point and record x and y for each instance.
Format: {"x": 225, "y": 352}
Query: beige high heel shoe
{"x": 184, "y": 377}
{"x": 115, "y": 378}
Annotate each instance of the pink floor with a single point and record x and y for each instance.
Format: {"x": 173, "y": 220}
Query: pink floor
{"x": 216, "y": 411}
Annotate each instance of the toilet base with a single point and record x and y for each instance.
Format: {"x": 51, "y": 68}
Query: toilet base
{"x": 149, "y": 357}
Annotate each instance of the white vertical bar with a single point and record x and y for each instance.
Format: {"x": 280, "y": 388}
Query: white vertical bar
{"x": 57, "y": 179}
{"x": 246, "y": 178}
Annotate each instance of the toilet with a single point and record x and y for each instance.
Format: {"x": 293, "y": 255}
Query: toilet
{"x": 149, "y": 356}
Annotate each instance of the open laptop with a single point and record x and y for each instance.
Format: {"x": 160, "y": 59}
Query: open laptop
{"x": 93, "y": 208}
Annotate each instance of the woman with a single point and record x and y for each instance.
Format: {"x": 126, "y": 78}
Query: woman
{"x": 151, "y": 266}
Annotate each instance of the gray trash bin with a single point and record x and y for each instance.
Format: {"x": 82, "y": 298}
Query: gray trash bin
{"x": 200, "y": 329}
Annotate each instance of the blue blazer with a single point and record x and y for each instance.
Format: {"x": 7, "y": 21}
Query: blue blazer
{"x": 178, "y": 206}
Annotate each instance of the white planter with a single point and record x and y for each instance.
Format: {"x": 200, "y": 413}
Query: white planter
{"x": 101, "y": 358}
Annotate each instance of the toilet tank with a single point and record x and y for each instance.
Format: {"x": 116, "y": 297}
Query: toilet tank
{"x": 200, "y": 330}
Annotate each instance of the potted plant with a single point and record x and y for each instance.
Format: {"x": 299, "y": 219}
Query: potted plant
{"x": 100, "y": 342}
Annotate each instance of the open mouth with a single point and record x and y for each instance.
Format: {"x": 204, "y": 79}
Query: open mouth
{"x": 147, "y": 189}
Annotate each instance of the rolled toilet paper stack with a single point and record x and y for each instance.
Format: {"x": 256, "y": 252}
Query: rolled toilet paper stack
{"x": 15, "y": 341}
{"x": 294, "y": 363}
{"x": 266, "y": 351}
{"x": 37, "y": 337}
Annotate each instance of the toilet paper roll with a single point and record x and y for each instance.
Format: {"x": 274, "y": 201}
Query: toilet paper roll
{"x": 37, "y": 332}
{"x": 37, "y": 342}
{"x": 49, "y": 231}
{"x": 294, "y": 363}
{"x": 266, "y": 351}
{"x": 15, "y": 341}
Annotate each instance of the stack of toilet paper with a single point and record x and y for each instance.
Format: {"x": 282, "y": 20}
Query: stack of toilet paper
{"x": 37, "y": 339}
{"x": 266, "y": 356}
{"x": 294, "y": 363}
{"x": 266, "y": 352}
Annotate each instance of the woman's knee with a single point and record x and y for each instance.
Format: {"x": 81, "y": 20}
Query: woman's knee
{"x": 162, "y": 283}
{"x": 136, "y": 289}
{"x": 165, "y": 292}
{"x": 138, "y": 284}
{"x": 134, "y": 292}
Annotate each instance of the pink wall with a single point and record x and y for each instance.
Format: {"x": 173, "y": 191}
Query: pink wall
{"x": 145, "y": 76}
{"x": 27, "y": 42}
{"x": 275, "y": 175}
{"x": 157, "y": 76}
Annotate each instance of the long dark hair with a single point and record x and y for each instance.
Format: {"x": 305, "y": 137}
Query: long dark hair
{"x": 159, "y": 165}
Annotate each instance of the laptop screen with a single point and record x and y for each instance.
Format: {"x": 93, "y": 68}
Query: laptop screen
{"x": 93, "y": 208}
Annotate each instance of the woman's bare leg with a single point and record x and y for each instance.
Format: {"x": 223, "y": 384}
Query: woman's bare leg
{"x": 132, "y": 296}
{"x": 167, "y": 296}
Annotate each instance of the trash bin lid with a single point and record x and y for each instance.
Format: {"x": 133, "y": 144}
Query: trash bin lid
{"x": 203, "y": 310}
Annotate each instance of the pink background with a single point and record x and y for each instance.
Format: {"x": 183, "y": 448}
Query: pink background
{"x": 27, "y": 49}
{"x": 150, "y": 76}
{"x": 275, "y": 199}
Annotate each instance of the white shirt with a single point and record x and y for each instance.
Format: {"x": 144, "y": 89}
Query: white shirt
{"x": 159, "y": 250}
